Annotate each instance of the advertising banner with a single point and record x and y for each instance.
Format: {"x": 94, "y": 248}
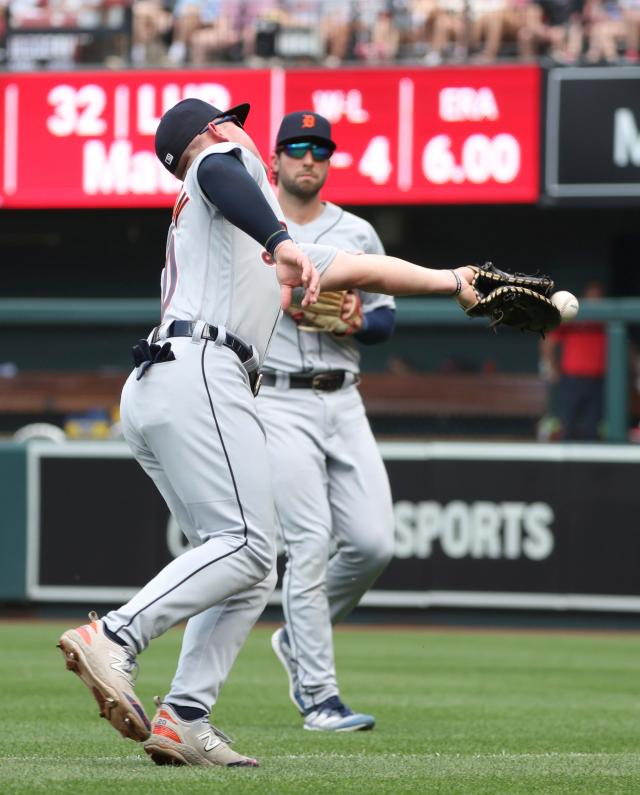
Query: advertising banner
{"x": 428, "y": 135}
{"x": 593, "y": 133}
{"x": 467, "y": 135}
{"x": 85, "y": 139}
{"x": 476, "y": 525}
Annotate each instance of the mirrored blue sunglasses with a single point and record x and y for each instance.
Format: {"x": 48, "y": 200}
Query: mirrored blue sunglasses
{"x": 319, "y": 152}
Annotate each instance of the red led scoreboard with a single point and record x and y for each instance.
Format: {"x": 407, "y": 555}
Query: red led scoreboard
{"x": 85, "y": 139}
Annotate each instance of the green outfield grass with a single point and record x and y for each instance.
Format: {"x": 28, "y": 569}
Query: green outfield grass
{"x": 458, "y": 712}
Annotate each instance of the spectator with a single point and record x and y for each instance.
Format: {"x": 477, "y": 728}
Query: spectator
{"x": 517, "y": 15}
{"x": 334, "y": 31}
{"x": 152, "y": 23}
{"x": 631, "y": 18}
{"x": 297, "y": 29}
{"x": 578, "y": 371}
{"x": 257, "y": 23}
{"x": 462, "y": 26}
{"x": 419, "y": 30}
{"x": 3, "y": 25}
{"x": 383, "y": 39}
{"x": 190, "y": 18}
{"x": 301, "y": 35}
{"x": 216, "y": 38}
{"x": 62, "y": 33}
{"x": 488, "y": 20}
{"x": 338, "y": 23}
{"x": 606, "y": 30}
{"x": 450, "y": 32}
{"x": 554, "y": 26}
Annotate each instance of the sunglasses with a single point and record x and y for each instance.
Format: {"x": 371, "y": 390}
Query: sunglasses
{"x": 221, "y": 120}
{"x": 319, "y": 152}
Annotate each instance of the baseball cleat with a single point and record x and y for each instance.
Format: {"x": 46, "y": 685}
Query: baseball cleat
{"x": 174, "y": 741}
{"x": 282, "y": 649}
{"x": 334, "y": 716}
{"x": 105, "y": 667}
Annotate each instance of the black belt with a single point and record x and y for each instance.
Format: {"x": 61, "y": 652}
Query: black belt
{"x": 185, "y": 328}
{"x": 327, "y": 381}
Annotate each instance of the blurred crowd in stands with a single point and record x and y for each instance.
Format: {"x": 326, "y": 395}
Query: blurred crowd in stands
{"x": 328, "y": 32}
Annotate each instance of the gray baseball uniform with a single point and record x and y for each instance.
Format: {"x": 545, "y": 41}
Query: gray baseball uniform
{"x": 192, "y": 425}
{"x": 325, "y": 438}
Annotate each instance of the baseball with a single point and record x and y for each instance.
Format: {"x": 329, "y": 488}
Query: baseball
{"x": 566, "y": 303}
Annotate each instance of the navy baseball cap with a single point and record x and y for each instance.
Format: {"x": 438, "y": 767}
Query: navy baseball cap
{"x": 181, "y": 123}
{"x": 305, "y": 125}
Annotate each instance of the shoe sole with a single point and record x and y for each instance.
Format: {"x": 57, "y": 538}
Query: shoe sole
{"x": 283, "y": 661}
{"x": 358, "y": 728}
{"x": 121, "y": 715}
{"x": 172, "y": 755}
{"x": 165, "y": 756}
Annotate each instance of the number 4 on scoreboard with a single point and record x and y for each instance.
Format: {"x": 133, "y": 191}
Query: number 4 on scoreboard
{"x": 375, "y": 162}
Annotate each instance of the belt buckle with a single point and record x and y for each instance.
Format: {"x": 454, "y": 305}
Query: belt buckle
{"x": 326, "y": 382}
{"x": 316, "y": 383}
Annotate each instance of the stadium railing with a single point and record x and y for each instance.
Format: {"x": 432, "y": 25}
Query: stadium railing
{"x": 410, "y": 394}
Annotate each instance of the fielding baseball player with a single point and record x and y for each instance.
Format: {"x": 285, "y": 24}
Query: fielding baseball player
{"x": 189, "y": 416}
{"x": 316, "y": 426}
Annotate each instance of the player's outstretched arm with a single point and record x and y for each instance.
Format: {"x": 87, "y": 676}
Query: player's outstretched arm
{"x": 380, "y": 274}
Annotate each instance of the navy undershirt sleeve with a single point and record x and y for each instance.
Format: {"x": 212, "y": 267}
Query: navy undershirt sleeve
{"x": 229, "y": 186}
{"x": 377, "y": 325}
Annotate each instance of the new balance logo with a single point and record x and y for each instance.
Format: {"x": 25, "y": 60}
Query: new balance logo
{"x": 209, "y": 739}
{"x": 121, "y": 664}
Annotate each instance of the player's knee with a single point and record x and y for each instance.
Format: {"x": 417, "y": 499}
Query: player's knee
{"x": 310, "y": 568}
{"x": 260, "y": 555}
{"x": 271, "y": 578}
{"x": 376, "y": 552}
{"x": 265, "y": 564}
{"x": 383, "y": 554}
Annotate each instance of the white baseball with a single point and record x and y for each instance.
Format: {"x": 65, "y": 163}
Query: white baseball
{"x": 566, "y": 303}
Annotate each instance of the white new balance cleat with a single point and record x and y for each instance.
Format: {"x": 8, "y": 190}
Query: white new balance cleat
{"x": 334, "y": 716}
{"x": 174, "y": 741}
{"x": 282, "y": 649}
{"x": 106, "y": 669}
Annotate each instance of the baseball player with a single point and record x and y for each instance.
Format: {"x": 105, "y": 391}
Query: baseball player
{"x": 316, "y": 425}
{"x": 189, "y": 416}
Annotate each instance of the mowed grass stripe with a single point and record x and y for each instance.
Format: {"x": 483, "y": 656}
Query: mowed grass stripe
{"x": 457, "y": 713}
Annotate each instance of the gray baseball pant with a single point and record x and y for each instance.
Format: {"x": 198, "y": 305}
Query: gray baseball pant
{"x": 322, "y": 443}
{"x": 192, "y": 425}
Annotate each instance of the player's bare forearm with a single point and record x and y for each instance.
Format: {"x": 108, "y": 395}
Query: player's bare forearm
{"x": 381, "y": 274}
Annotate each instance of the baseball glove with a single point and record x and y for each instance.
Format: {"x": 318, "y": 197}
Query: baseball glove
{"x": 521, "y": 307}
{"x": 488, "y": 277}
{"x": 336, "y": 312}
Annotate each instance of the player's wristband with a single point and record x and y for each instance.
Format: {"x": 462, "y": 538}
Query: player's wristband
{"x": 377, "y": 326}
{"x": 456, "y": 292}
{"x": 274, "y": 240}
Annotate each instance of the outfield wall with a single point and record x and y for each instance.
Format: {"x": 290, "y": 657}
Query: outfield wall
{"x": 477, "y": 525}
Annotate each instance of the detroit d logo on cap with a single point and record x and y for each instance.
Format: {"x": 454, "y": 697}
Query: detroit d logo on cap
{"x": 308, "y": 121}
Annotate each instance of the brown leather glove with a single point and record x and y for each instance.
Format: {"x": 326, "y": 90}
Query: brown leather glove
{"x": 336, "y": 312}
